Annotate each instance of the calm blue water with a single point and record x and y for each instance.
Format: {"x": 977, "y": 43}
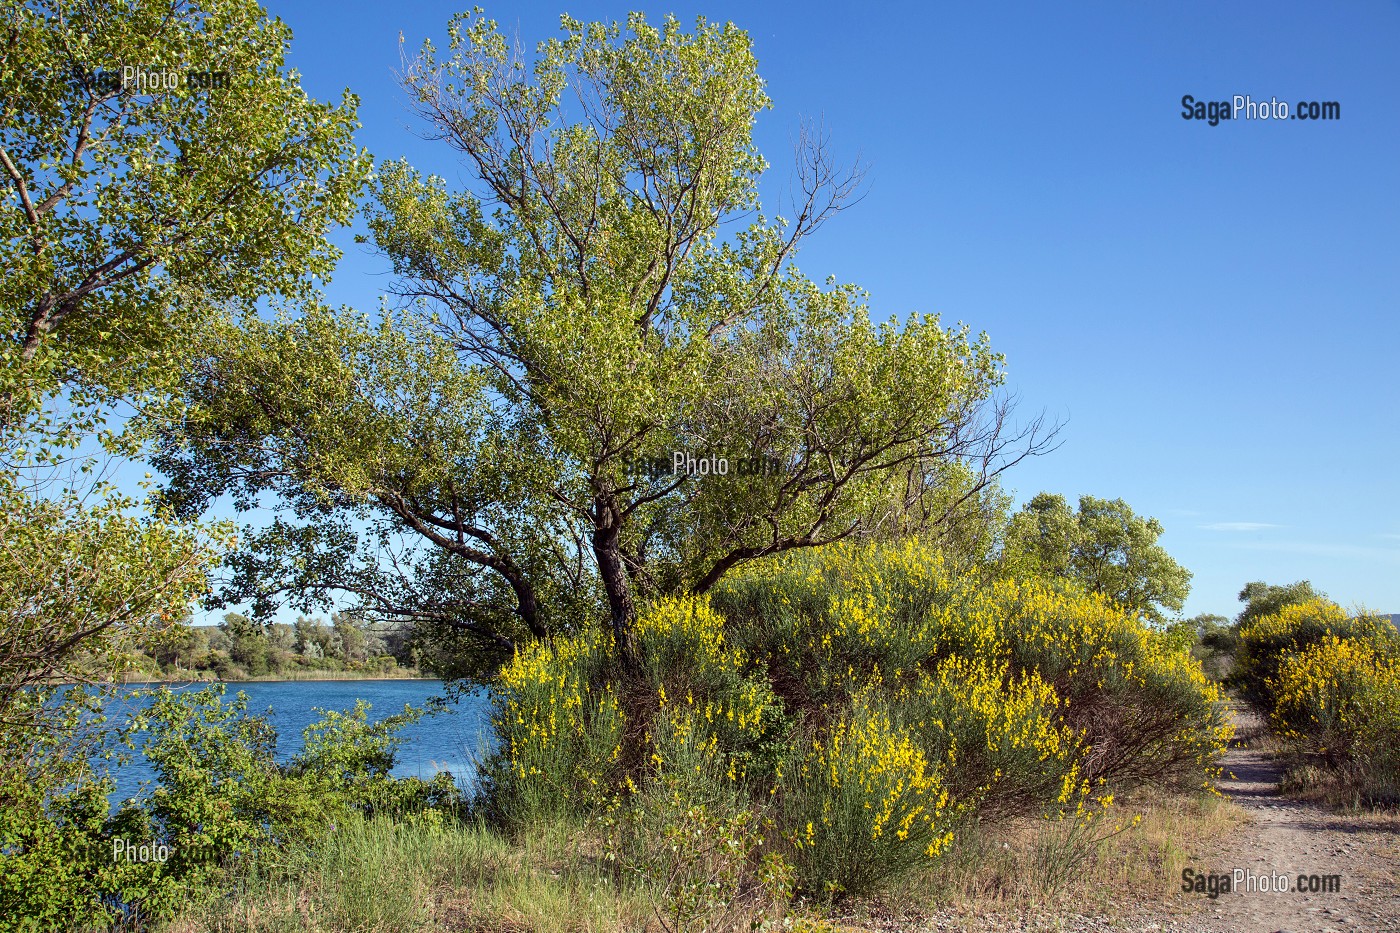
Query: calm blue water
{"x": 451, "y": 740}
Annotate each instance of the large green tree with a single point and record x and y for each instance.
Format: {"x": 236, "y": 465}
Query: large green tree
{"x": 1264, "y": 599}
{"x": 1104, "y": 546}
{"x": 493, "y": 456}
{"x": 128, "y": 214}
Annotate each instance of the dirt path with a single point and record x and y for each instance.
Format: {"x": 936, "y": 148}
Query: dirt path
{"x": 1289, "y": 838}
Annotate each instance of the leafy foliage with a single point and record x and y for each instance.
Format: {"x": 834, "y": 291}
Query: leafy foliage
{"x": 569, "y": 320}
{"x": 83, "y": 584}
{"x": 122, "y": 198}
{"x": 1104, "y": 547}
{"x": 128, "y": 215}
{"x": 57, "y": 869}
{"x": 221, "y": 802}
{"x": 1262, "y": 599}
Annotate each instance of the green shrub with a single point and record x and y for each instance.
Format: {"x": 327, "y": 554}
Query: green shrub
{"x": 220, "y": 795}
{"x": 220, "y": 802}
{"x": 1266, "y": 643}
{"x": 355, "y": 758}
{"x": 57, "y": 864}
{"x": 1338, "y": 702}
{"x": 970, "y": 697}
{"x": 862, "y": 803}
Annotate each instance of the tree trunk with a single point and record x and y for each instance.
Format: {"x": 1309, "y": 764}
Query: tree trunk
{"x": 607, "y": 550}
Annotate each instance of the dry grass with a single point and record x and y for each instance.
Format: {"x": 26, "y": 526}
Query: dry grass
{"x": 1350, "y": 789}
{"x": 1003, "y": 869}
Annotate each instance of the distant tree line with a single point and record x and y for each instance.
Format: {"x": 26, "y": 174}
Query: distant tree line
{"x": 239, "y": 647}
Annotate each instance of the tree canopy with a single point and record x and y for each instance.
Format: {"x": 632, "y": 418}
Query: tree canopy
{"x": 1104, "y": 546}
{"x": 605, "y": 295}
{"x": 1263, "y": 599}
{"x": 130, "y": 213}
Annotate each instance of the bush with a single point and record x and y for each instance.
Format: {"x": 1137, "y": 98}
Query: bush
{"x": 862, "y": 803}
{"x": 1143, "y": 707}
{"x": 831, "y": 621}
{"x": 57, "y": 869}
{"x": 221, "y": 800}
{"x": 690, "y": 664}
{"x": 1266, "y": 643}
{"x": 692, "y": 837}
{"x": 572, "y": 728}
{"x": 1338, "y": 701}
{"x": 967, "y": 698}
{"x": 355, "y": 758}
{"x": 220, "y": 794}
{"x": 559, "y": 729}
{"x": 1001, "y": 736}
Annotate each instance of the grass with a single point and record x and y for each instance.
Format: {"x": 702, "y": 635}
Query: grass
{"x": 380, "y": 874}
{"x": 1349, "y": 788}
{"x": 1002, "y": 869}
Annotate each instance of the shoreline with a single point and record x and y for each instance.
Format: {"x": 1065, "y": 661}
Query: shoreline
{"x": 263, "y": 679}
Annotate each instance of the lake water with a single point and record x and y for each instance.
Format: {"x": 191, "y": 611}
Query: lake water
{"x": 451, "y": 740}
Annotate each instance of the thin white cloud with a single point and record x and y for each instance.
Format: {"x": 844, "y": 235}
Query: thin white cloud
{"x": 1388, "y": 536}
{"x": 1321, "y": 549}
{"x": 1237, "y": 526}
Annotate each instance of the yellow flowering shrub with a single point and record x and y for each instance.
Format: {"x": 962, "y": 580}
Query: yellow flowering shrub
{"x": 561, "y": 723}
{"x": 1267, "y": 643}
{"x": 694, "y": 672}
{"x": 686, "y": 636}
{"x": 1144, "y": 707}
{"x": 1000, "y": 736}
{"x": 1077, "y": 825}
{"x": 863, "y": 697}
{"x": 862, "y": 803}
{"x": 837, "y": 619}
{"x": 559, "y": 728}
{"x": 1339, "y": 700}
{"x": 688, "y": 830}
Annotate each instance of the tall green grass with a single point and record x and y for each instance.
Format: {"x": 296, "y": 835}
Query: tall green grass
{"x": 385, "y": 875}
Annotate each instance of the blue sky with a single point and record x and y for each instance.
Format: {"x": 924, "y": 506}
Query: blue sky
{"x": 1212, "y": 310}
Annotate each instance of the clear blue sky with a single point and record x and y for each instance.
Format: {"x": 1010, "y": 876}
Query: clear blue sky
{"x": 1212, "y": 309}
